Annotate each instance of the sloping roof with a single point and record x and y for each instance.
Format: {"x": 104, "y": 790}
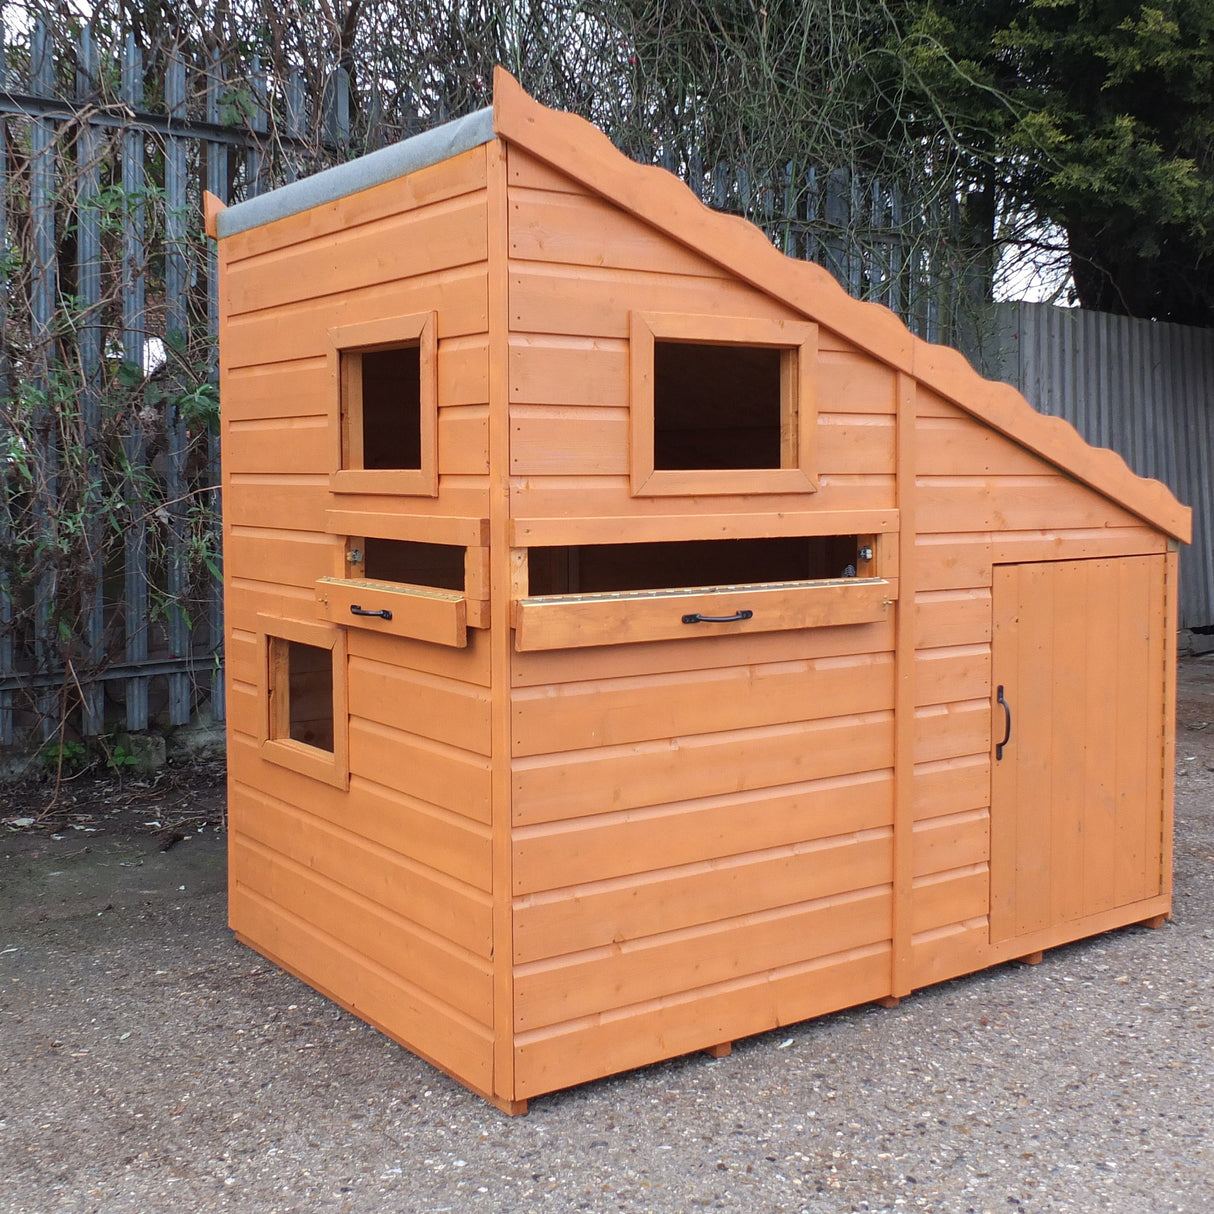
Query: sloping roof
{"x": 408, "y": 156}
{"x": 578, "y": 149}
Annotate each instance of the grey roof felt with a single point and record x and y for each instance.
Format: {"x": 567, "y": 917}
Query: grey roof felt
{"x": 417, "y": 152}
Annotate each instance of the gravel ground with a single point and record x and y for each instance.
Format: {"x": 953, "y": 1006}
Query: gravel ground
{"x": 149, "y": 1062}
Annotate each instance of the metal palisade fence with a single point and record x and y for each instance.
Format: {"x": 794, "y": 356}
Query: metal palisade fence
{"x": 110, "y": 604}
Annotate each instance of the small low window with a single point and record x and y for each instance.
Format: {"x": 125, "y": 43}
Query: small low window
{"x": 721, "y": 405}
{"x": 617, "y": 568}
{"x": 387, "y": 406}
{"x": 301, "y": 693}
{"x": 305, "y": 726}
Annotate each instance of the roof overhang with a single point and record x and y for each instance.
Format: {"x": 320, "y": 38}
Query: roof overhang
{"x": 376, "y": 168}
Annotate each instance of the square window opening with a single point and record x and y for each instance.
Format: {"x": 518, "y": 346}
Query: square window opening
{"x": 619, "y": 568}
{"x": 301, "y": 693}
{"x": 721, "y": 406}
{"x": 382, "y": 408}
{"x": 412, "y": 562}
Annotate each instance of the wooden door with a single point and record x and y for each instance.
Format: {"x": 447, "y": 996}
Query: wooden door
{"x": 1077, "y": 790}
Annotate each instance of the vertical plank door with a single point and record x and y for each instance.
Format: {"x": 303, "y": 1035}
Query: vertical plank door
{"x": 1077, "y": 803}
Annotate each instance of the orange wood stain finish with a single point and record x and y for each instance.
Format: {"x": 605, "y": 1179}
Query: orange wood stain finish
{"x": 562, "y": 835}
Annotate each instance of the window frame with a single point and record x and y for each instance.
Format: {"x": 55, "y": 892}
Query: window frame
{"x": 346, "y": 343}
{"x": 798, "y": 404}
{"x": 580, "y": 619}
{"x": 329, "y": 767}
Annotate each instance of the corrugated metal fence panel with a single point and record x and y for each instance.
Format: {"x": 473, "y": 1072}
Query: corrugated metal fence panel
{"x": 1143, "y": 388}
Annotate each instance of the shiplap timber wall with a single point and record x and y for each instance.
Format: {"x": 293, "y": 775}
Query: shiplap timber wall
{"x": 711, "y": 815}
{"x": 724, "y": 787}
{"x": 1141, "y": 387}
{"x": 385, "y": 887}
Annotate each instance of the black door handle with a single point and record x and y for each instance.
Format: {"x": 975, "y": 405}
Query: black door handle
{"x": 697, "y": 618}
{"x": 1007, "y": 733}
{"x": 355, "y": 609}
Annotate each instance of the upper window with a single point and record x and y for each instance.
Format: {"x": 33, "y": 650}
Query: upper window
{"x": 386, "y": 377}
{"x": 383, "y": 408}
{"x": 721, "y": 405}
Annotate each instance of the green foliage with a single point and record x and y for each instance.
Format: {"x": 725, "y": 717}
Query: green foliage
{"x": 94, "y": 450}
{"x": 237, "y": 105}
{"x": 199, "y": 407}
{"x": 63, "y": 757}
{"x": 1098, "y": 115}
{"x": 119, "y": 758}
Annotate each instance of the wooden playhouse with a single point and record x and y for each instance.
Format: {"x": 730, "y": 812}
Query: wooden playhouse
{"x": 635, "y": 643}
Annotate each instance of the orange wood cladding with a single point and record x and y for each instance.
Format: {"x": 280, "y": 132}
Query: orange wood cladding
{"x": 565, "y": 835}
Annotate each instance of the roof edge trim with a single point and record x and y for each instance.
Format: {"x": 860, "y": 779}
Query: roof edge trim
{"x": 408, "y": 156}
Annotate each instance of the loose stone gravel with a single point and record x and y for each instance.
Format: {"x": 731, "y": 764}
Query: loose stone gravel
{"x": 149, "y": 1062}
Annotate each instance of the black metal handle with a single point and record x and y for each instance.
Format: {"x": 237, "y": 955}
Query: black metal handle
{"x": 1007, "y": 733}
{"x": 697, "y": 618}
{"x": 355, "y": 609}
